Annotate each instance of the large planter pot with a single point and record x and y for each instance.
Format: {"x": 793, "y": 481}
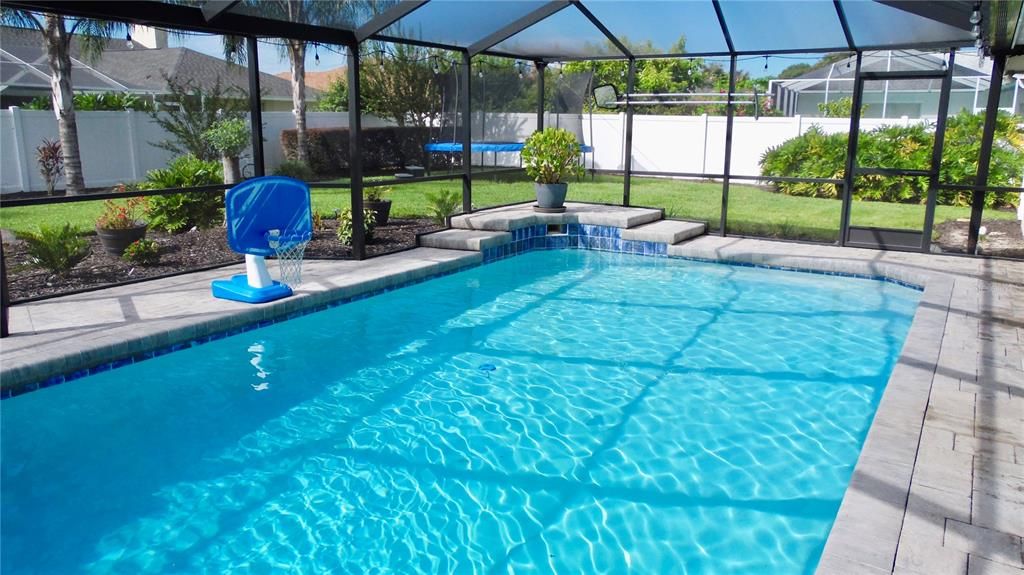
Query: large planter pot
{"x": 381, "y": 211}
{"x": 116, "y": 241}
{"x": 550, "y": 196}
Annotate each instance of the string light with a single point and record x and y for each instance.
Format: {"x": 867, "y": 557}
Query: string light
{"x": 976, "y": 14}
{"x": 766, "y": 62}
{"x": 316, "y": 55}
{"x": 128, "y": 40}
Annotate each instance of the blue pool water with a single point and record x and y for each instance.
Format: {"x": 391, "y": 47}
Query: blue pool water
{"x": 562, "y": 411}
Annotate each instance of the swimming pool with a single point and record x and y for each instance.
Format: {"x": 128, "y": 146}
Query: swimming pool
{"x": 567, "y": 410}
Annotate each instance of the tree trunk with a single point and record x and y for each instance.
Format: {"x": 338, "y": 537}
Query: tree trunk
{"x": 57, "y": 44}
{"x": 232, "y": 174}
{"x": 297, "y": 56}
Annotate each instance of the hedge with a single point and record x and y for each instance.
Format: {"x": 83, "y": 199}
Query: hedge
{"x": 815, "y": 154}
{"x": 382, "y": 148}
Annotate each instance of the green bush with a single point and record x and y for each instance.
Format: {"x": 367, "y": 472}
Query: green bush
{"x": 229, "y": 136}
{"x": 815, "y": 154}
{"x": 57, "y": 248}
{"x": 345, "y": 225}
{"x": 551, "y": 155}
{"x": 382, "y": 148}
{"x": 181, "y": 212}
{"x": 295, "y": 169}
{"x": 143, "y": 252}
{"x": 443, "y": 204}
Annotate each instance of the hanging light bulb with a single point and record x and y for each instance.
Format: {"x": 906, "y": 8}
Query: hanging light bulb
{"x": 316, "y": 55}
{"x": 766, "y": 62}
{"x": 976, "y": 30}
{"x": 519, "y": 67}
{"x": 480, "y": 74}
{"x": 978, "y": 43}
{"x": 437, "y": 69}
{"x": 976, "y": 14}
{"x": 128, "y": 40}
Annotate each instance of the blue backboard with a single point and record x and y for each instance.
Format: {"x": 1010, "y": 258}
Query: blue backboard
{"x": 259, "y": 205}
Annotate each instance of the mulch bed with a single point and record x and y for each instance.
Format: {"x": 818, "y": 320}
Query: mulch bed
{"x": 182, "y": 252}
{"x": 1003, "y": 239}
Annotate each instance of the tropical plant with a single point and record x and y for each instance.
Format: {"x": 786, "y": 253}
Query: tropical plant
{"x": 51, "y": 162}
{"x": 840, "y": 108}
{"x": 56, "y": 248}
{"x": 191, "y": 111}
{"x": 122, "y": 215}
{"x": 375, "y": 193}
{"x": 345, "y": 225}
{"x": 96, "y": 102}
{"x": 550, "y": 155}
{"x": 181, "y": 212}
{"x": 143, "y": 252}
{"x": 295, "y": 169}
{"x": 443, "y": 204}
{"x": 91, "y": 38}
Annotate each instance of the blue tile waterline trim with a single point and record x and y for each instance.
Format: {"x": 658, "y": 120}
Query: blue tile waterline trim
{"x": 577, "y": 236}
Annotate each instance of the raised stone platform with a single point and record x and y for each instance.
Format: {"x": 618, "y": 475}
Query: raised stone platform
{"x": 664, "y": 231}
{"x": 522, "y": 215}
{"x": 471, "y": 240}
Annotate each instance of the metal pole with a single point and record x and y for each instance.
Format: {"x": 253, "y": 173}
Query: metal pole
{"x": 940, "y": 140}
{"x": 987, "y": 135}
{"x": 541, "y": 67}
{"x": 467, "y": 140}
{"x": 355, "y": 153}
{"x": 627, "y": 160}
{"x": 5, "y": 297}
{"x": 729, "y": 109}
{"x": 851, "y": 152}
{"x": 255, "y": 109}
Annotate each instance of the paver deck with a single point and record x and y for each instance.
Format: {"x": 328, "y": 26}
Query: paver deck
{"x": 521, "y": 215}
{"x": 939, "y": 486}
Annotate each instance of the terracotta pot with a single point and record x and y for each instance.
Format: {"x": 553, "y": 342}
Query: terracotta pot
{"x": 381, "y": 211}
{"x": 116, "y": 241}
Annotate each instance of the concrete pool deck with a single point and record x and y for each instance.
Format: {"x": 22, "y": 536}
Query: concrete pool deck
{"x": 938, "y": 488}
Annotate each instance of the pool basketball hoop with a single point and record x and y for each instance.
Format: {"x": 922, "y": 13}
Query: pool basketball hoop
{"x": 267, "y": 216}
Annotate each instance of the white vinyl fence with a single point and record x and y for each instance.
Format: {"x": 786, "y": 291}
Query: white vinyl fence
{"x": 115, "y": 146}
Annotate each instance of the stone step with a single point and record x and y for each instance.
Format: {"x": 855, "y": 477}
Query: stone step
{"x": 522, "y": 215}
{"x": 664, "y": 231}
{"x": 470, "y": 240}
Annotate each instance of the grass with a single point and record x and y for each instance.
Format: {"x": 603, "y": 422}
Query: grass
{"x": 752, "y": 210}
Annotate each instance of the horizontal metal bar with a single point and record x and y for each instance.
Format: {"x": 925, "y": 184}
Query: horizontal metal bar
{"x": 107, "y": 196}
{"x": 680, "y": 102}
{"x": 904, "y": 75}
{"x": 665, "y": 94}
{"x": 404, "y": 181}
{"x": 787, "y": 179}
{"x": 986, "y": 189}
{"x": 858, "y": 171}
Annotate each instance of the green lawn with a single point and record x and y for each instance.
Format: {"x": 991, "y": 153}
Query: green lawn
{"x": 752, "y": 210}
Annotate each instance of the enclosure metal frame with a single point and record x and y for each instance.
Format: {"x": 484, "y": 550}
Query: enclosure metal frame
{"x": 217, "y": 18}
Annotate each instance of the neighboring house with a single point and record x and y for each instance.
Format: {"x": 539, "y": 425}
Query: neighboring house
{"x": 896, "y": 98}
{"x": 319, "y": 80}
{"x": 140, "y": 70}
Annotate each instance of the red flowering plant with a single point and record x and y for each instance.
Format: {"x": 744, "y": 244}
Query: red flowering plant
{"x": 122, "y": 215}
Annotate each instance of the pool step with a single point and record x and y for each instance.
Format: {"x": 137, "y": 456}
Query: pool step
{"x": 664, "y": 231}
{"x": 469, "y": 240}
{"x": 522, "y": 215}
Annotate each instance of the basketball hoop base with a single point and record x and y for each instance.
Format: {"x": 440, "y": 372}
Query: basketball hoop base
{"x": 238, "y": 289}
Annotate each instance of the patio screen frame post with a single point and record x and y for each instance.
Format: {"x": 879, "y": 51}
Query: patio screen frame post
{"x": 730, "y": 109}
{"x": 467, "y": 136}
{"x": 851, "y": 151}
{"x": 355, "y": 153}
{"x": 541, "y": 67}
{"x": 255, "y": 106}
{"x": 937, "y": 147}
{"x": 5, "y": 297}
{"x": 627, "y": 148}
{"x": 985, "y": 155}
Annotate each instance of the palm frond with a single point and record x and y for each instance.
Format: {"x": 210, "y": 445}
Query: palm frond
{"x": 93, "y": 35}
{"x": 19, "y": 18}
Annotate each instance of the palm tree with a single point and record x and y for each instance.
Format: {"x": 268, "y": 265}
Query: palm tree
{"x": 92, "y": 37}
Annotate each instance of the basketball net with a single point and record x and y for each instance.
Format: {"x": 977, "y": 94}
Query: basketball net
{"x": 289, "y": 250}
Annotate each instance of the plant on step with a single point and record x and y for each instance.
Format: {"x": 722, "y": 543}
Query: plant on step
{"x": 443, "y": 204}
{"x": 181, "y": 212}
{"x": 51, "y": 162}
{"x": 57, "y": 248}
{"x": 143, "y": 252}
{"x": 550, "y": 155}
{"x": 122, "y": 215}
{"x": 345, "y": 225}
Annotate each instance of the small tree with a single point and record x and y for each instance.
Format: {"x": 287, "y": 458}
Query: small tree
{"x": 335, "y": 99}
{"x": 190, "y": 112}
{"x": 229, "y": 137}
{"x": 51, "y": 162}
{"x": 400, "y": 85}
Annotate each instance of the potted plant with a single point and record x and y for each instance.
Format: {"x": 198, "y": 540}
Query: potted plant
{"x": 549, "y": 156}
{"x": 230, "y": 137}
{"x": 374, "y": 200}
{"x": 119, "y": 224}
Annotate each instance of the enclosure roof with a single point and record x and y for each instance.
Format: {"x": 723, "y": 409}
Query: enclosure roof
{"x": 556, "y": 30}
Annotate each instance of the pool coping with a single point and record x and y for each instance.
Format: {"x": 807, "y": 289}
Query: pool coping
{"x": 866, "y": 531}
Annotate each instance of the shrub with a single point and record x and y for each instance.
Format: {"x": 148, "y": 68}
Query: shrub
{"x": 51, "y": 162}
{"x": 345, "y": 225}
{"x": 180, "y": 212}
{"x": 57, "y": 248}
{"x": 143, "y": 252}
{"x": 815, "y": 154}
{"x": 381, "y": 148}
{"x": 443, "y": 204}
{"x": 552, "y": 154}
{"x": 121, "y": 216}
{"x": 229, "y": 136}
{"x": 295, "y": 169}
